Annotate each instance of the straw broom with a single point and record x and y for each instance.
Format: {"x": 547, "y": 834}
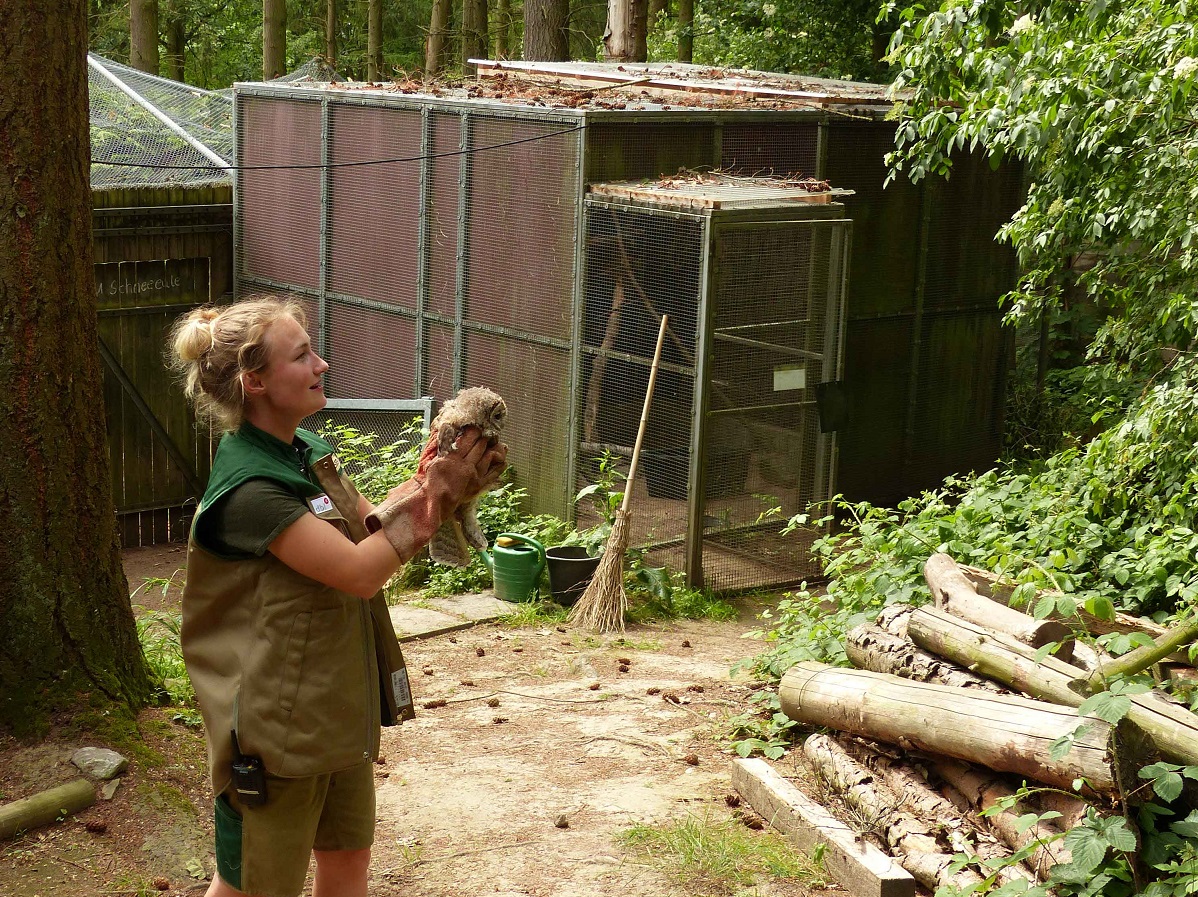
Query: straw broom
{"x": 601, "y": 607}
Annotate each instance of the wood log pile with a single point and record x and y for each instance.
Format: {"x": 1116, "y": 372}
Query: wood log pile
{"x": 948, "y": 710}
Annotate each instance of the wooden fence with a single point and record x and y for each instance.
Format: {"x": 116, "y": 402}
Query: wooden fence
{"x": 159, "y": 252}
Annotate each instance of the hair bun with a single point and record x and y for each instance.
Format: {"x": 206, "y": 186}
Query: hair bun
{"x": 196, "y": 335}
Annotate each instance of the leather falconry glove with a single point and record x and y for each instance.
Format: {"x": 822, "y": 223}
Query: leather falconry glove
{"x": 412, "y": 512}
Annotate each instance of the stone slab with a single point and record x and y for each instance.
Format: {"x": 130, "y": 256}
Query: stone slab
{"x": 412, "y": 622}
{"x": 478, "y": 608}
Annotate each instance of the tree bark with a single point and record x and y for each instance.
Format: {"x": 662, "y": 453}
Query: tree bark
{"x": 625, "y": 39}
{"x": 956, "y": 594}
{"x": 143, "y": 35}
{"x": 1172, "y": 728}
{"x": 434, "y": 47}
{"x": 66, "y": 628}
{"x": 913, "y": 841}
{"x": 474, "y": 33}
{"x": 984, "y": 792}
{"x": 274, "y": 38}
{"x": 46, "y": 807}
{"x": 872, "y": 648}
{"x": 330, "y": 33}
{"x": 686, "y": 30}
{"x": 374, "y": 40}
{"x": 545, "y": 35}
{"x": 175, "y": 58}
{"x": 503, "y": 28}
{"x": 1003, "y": 732}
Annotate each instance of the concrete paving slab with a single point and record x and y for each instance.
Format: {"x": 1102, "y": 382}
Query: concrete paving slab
{"x": 479, "y": 607}
{"x": 413, "y": 622}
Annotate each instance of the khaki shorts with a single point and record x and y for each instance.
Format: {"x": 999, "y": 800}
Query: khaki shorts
{"x": 265, "y": 850}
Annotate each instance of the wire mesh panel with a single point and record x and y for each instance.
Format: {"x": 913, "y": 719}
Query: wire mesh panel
{"x": 776, "y": 313}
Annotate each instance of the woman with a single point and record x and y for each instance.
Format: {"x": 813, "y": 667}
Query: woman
{"x": 277, "y": 634}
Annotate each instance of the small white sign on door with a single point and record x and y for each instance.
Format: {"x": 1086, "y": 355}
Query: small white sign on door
{"x": 790, "y": 377}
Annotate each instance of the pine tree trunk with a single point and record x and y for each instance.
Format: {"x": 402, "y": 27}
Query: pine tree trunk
{"x": 503, "y": 27}
{"x": 626, "y": 34}
{"x": 66, "y": 628}
{"x": 434, "y": 49}
{"x": 176, "y": 41}
{"x": 374, "y": 41}
{"x": 686, "y": 30}
{"x": 330, "y": 33}
{"x": 274, "y": 38}
{"x": 143, "y": 35}
{"x": 545, "y": 35}
{"x": 474, "y": 33}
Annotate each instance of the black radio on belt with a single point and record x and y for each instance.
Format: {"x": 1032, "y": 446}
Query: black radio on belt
{"x": 249, "y": 777}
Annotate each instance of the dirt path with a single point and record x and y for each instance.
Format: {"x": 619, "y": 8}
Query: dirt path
{"x": 550, "y": 742}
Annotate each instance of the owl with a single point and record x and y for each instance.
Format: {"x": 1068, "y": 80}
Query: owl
{"x": 475, "y": 406}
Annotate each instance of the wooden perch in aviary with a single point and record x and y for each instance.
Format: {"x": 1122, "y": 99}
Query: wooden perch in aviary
{"x": 46, "y": 807}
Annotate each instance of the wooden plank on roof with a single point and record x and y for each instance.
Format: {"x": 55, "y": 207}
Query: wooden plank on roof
{"x": 707, "y": 196}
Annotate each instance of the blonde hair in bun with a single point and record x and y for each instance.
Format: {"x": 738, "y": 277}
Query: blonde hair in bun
{"x": 213, "y": 346}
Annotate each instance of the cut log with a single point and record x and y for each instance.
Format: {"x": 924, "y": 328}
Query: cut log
{"x": 870, "y": 647}
{"x": 1172, "y": 728}
{"x": 46, "y": 807}
{"x": 1072, "y": 809}
{"x": 953, "y": 592}
{"x": 860, "y": 867}
{"x": 983, "y": 790}
{"x": 1001, "y": 589}
{"x": 893, "y": 619}
{"x": 916, "y": 847}
{"x": 1145, "y": 656}
{"x": 919, "y": 798}
{"x": 1004, "y": 732}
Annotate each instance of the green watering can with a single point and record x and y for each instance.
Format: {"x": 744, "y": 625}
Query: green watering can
{"x": 515, "y": 563}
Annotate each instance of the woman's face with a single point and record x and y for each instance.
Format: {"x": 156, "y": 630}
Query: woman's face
{"x": 290, "y": 384}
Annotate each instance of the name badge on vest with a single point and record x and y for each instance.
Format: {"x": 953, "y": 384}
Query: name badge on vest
{"x": 321, "y": 504}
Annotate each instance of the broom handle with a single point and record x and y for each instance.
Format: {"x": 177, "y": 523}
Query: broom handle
{"x": 640, "y": 433}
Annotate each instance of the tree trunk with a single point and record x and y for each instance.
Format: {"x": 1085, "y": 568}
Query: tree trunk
{"x": 984, "y": 793}
{"x": 686, "y": 30}
{"x": 1172, "y": 728}
{"x": 626, "y": 34}
{"x": 956, "y": 594}
{"x": 1003, "y": 732}
{"x": 330, "y": 33}
{"x": 503, "y": 28}
{"x": 274, "y": 38}
{"x": 657, "y": 8}
{"x": 374, "y": 41}
{"x": 176, "y": 41}
{"x": 873, "y": 648}
{"x": 143, "y": 35}
{"x": 434, "y": 48}
{"x": 474, "y": 33}
{"x": 66, "y": 628}
{"x": 911, "y": 840}
{"x": 545, "y": 35}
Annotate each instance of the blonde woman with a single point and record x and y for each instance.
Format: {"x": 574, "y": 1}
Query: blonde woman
{"x": 277, "y": 633}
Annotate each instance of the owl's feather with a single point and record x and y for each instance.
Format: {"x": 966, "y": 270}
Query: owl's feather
{"x": 478, "y": 407}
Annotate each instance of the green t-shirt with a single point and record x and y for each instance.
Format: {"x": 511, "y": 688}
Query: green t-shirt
{"x": 244, "y": 522}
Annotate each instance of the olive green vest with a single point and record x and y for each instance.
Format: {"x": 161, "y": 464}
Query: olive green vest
{"x": 287, "y": 661}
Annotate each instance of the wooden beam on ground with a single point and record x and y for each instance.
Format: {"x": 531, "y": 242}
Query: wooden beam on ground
{"x": 858, "y": 866}
{"x": 46, "y": 807}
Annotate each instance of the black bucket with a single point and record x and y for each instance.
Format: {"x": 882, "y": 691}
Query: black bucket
{"x": 570, "y": 569}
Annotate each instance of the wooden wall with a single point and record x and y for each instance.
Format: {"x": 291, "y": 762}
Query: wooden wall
{"x": 159, "y": 252}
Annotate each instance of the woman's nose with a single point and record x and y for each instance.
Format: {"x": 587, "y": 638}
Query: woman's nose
{"x": 321, "y": 365}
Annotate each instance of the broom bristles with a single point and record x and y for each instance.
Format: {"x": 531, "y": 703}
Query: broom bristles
{"x": 601, "y": 607}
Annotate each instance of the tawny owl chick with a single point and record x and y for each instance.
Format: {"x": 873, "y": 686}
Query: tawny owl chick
{"x": 475, "y": 406}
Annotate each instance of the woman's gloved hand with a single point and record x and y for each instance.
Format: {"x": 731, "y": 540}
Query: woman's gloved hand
{"x": 413, "y": 511}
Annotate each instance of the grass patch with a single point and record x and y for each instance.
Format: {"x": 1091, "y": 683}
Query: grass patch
{"x": 718, "y": 858}
{"x": 536, "y": 613}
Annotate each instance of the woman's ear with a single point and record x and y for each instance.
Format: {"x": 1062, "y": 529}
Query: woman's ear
{"x": 251, "y": 383}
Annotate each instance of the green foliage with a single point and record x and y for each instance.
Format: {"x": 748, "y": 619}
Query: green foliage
{"x": 1096, "y": 98}
{"x": 835, "y": 40}
{"x": 764, "y": 729}
{"x": 158, "y": 633}
{"x": 718, "y": 857}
